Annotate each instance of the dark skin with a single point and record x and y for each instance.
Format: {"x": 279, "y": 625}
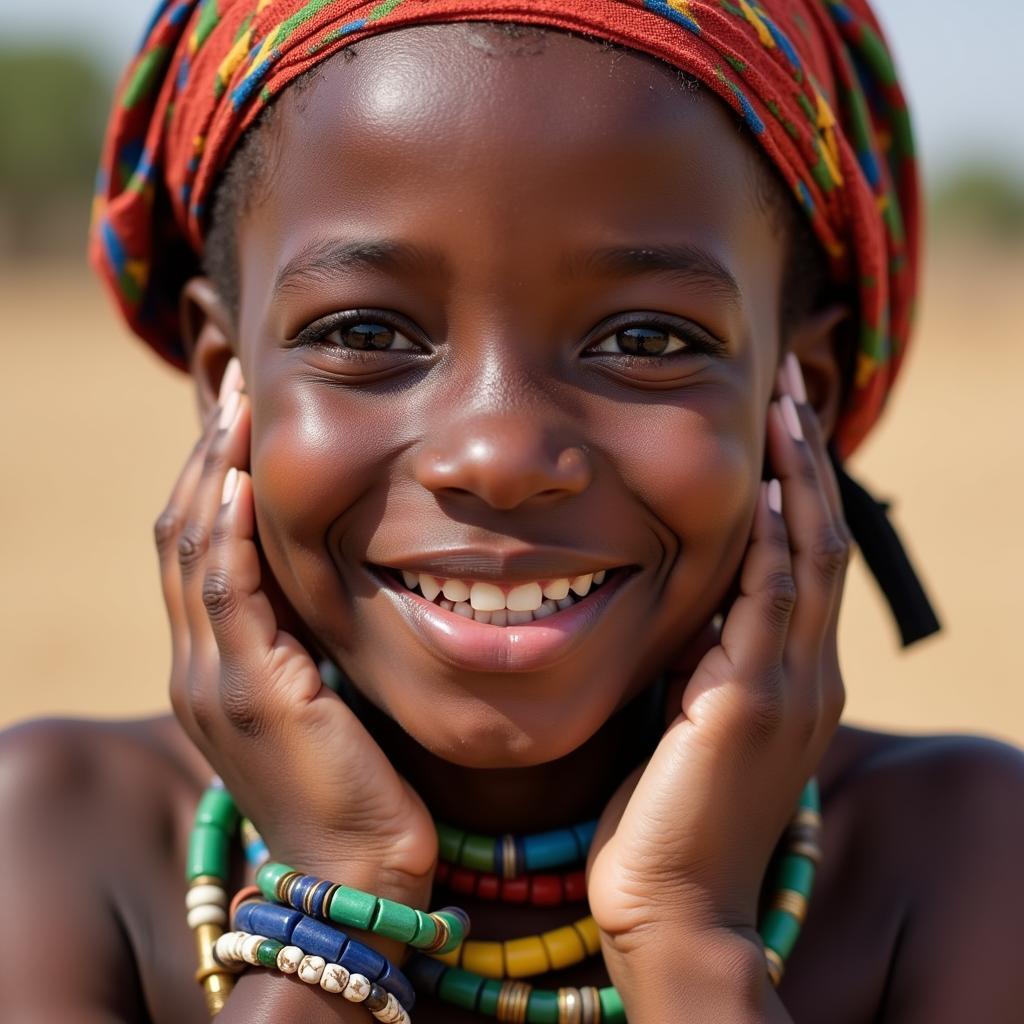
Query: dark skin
{"x": 505, "y": 435}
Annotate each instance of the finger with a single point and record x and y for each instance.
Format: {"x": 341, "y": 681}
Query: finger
{"x": 249, "y": 642}
{"x": 167, "y": 531}
{"x": 755, "y": 629}
{"x": 791, "y": 381}
{"x": 227, "y": 449}
{"x": 820, "y": 552}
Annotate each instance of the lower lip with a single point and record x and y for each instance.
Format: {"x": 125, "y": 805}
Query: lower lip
{"x": 479, "y": 647}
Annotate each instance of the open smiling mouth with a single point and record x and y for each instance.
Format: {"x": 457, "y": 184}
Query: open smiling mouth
{"x": 502, "y": 604}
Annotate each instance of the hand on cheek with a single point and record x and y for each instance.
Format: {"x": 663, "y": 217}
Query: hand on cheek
{"x": 250, "y": 696}
{"x": 683, "y": 849}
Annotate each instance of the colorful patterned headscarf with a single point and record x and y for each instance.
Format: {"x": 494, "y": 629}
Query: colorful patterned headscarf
{"x": 812, "y": 80}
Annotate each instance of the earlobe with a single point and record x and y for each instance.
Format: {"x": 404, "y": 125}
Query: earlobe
{"x": 208, "y": 334}
{"x": 817, "y": 342}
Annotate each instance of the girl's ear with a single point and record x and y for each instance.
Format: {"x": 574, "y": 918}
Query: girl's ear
{"x": 817, "y": 344}
{"x": 208, "y": 334}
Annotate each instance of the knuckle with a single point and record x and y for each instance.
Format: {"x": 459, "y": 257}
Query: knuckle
{"x": 808, "y": 471}
{"x": 219, "y": 597}
{"x": 764, "y": 708}
{"x": 240, "y": 707}
{"x": 193, "y": 543}
{"x": 830, "y": 554}
{"x": 215, "y": 461}
{"x": 165, "y": 530}
{"x": 779, "y": 598}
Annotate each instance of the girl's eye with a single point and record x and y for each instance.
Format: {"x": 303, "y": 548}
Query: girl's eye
{"x": 641, "y": 341}
{"x": 365, "y": 336}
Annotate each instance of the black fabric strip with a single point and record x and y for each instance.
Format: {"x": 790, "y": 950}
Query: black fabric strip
{"x": 886, "y": 558}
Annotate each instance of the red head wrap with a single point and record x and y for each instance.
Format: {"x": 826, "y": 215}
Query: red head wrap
{"x": 812, "y": 80}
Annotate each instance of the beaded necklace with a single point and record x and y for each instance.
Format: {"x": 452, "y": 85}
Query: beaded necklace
{"x": 478, "y": 976}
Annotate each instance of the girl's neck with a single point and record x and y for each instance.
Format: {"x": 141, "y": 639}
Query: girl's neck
{"x": 493, "y": 801}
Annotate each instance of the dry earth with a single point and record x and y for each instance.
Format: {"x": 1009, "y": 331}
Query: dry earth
{"x": 94, "y": 429}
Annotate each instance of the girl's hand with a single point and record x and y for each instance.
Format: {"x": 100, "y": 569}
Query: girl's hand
{"x": 296, "y": 759}
{"x": 681, "y": 852}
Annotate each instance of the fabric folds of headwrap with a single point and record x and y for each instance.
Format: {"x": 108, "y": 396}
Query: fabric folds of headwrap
{"x": 812, "y": 80}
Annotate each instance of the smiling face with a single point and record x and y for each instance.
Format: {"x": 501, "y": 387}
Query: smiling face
{"x": 508, "y": 323}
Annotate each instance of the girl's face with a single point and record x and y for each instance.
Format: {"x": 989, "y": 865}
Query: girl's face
{"x": 509, "y": 314}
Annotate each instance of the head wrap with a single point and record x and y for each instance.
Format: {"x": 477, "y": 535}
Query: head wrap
{"x": 811, "y": 79}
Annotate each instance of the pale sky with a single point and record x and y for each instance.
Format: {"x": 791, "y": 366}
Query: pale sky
{"x": 961, "y": 71}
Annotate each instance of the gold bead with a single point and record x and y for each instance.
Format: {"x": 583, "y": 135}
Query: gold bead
{"x": 284, "y": 887}
{"x": 807, "y": 816}
{"x": 217, "y": 982}
{"x": 509, "y": 860}
{"x": 775, "y": 965}
{"x": 792, "y": 902}
{"x": 205, "y": 880}
{"x": 443, "y": 934}
{"x": 809, "y": 850}
{"x": 512, "y": 1001}
{"x": 570, "y": 1006}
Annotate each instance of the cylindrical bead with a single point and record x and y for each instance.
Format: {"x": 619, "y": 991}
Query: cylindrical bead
{"x": 200, "y": 895}
{"x": 395, "y": 921}
{"x": 207, "y": 852}
{"x": 525, "y": 957}
{"x": 460, "y": 988}
{"x": 612, "y": 1010}
{"x": 269, "y": 876}
{"x": 564, "y": 947}
{"x": 352, "y": 907}
{"x": 542, "y": 1007}
{"x": 478, "y": 852}
{"x": 589, "y": 933}
{"x": 217, "y": 807}
{"x": 320, "y": 939}
{"x": 484, "y": 958}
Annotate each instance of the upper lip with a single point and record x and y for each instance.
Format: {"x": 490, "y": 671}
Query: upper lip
{"x": 503, "y": 566}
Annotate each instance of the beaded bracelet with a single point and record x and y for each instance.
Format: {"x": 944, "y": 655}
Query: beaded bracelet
{"x": 509, "y": 856}
{"x": 439, "y": 932}
{"x": 233, "y": 949}
{"x": 540, "y": 890}
{"x": 315, "y": 938}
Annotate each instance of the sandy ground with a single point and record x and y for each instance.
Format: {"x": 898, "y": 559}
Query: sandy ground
{"x": 94, "y": 430}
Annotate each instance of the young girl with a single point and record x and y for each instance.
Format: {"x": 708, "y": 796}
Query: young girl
{"x": 526, "y": 336}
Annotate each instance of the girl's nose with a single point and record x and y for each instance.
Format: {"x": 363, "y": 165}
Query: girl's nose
{"x": 503, "y": 461}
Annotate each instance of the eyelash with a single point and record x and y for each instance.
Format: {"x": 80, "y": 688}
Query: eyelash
{"x": 696, "y": 340}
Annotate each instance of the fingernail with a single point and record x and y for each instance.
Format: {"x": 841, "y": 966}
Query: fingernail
{"x": 791, "y": 417}
{"x": 795, "y": 379}
{"x": 775, "y": 496}
{"x": 230, "y": 486}
{"x": 231, "y": 379}
{"x": 227, "y": 413}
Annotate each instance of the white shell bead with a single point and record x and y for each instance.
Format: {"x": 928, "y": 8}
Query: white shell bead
{"x": 289, "y": 958}
{"x": 389, "y": 1013}
{"x": 250, "y": 945}
{"x": 206, "y": 914}
{"x": 224, "y": 948}
{"x": 199, "y": 895}
{"x": 311, "y": 968}
{"x": 357, "y": 989}
{"x": 334, "y": 979}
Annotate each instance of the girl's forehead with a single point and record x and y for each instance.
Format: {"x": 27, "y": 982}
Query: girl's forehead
{"x": 437, "y": 137}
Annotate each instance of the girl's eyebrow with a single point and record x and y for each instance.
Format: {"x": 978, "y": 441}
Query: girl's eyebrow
{"x": 321, "y": 259}
{"x": 687, "y": 263}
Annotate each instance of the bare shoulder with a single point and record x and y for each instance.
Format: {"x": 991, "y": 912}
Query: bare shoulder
{"x": 939, "y": 820}
{"x": 92, "y": 815}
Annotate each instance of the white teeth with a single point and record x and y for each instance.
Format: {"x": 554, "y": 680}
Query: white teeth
{"x": 524, "y": 598}
{"x": 465, "y": 609}
{"x": 412, "y": 579}
{"x": 557, "y": 589}
{"x": 429, "y": 587}
{"x": 486, "y": 597}
{"x": 581, "y": 585}
{"x": 599, "y": 576}
{"x": 499, "y": 618}
{"x": 566, "y": 602}
{"x": 519, "y": 618}
{"x": 483, "y": 616}
{"x": 455, "y": 590}
{"x": 547, "y": 608}
{"x": 446, "y": 605}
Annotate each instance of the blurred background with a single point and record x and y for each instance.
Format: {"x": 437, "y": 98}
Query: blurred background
{"x": 94, "y": 428}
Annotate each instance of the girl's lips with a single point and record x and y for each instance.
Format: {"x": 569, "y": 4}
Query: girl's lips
{"x": 478, "y": 647}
